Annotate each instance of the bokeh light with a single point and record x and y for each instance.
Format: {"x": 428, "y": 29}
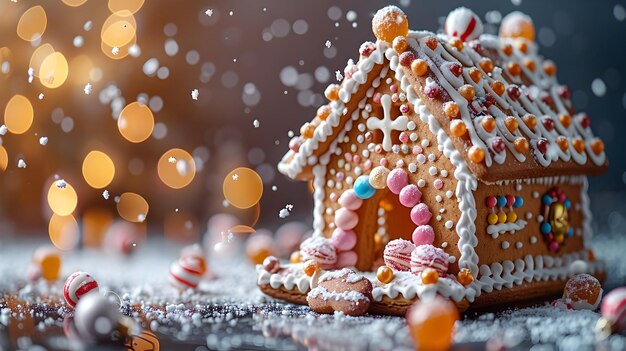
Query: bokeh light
{"x": 40, "y": 53}
{"x": 131, "y": 6}
{"x": 176, "y": 168}
{"x": 98, "y": 169}
{"x": 62, "y": 198}
{"x": 132, "y": 207}
{"x": 64, "y": 232}
{"x": 181, "y": 227}
{"x": 243, "y": 187}
{"x": 242, "y": 229}
{"x": 74, "y": 3}
{"x": 4, "y": 158}
{"x": 18, "y": 114}
{"x": 136, "y": 122}
{"x": 53, "y": 70}
{"x": 32, "y": 24}
{"x": 119, "y": 29}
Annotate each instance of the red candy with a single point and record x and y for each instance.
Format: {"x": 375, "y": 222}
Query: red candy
{"x": 407, "y": 58}
{"x": 548, "y": 123}
{"x": 585, "y": 121}
{"x": 456, "y": 69}
{"x": 542, "y": 145}
{"x": 491, "y": 201}
{"x": 78, "y": 285}
{"x": 564, "y": 92}
{"x": 513, "y": 92}
{"x": 497, "y": 144}
{"x": 367, "y": 48}
{"x": 510, "y": 200}
{"x": 432, "y": 89}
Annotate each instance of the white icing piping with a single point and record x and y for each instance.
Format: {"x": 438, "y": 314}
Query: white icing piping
{"x": 496, "y": 229}
{"x": 289, "y": 281}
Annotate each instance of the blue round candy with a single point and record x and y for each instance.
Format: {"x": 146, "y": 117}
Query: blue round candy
{"x": 570, "y": 232}
{"x": 547, "y": 200}
{"x": 362, "y": 187}
{"x": 568, "y": 204}
{"x": 501, "y": 201}
{"x": 546, "y": 228}
{"x": 518, "y": 202}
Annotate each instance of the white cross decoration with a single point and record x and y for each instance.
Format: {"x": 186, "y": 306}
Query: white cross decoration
{"x": 386, "y": 124}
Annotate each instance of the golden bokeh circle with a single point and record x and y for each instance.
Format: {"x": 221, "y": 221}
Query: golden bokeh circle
{"x": 63, "y": 232}
{"x": 40, "y": 53}
{"x": 131, "y": 6}
{"x": 74, "y": 3}
{"x": 132, "y": 207}
{"x": 176, "y": 168}
{"x": 4, "y": 158}
{"x": 136, "y": 122}
{"x": 243, "y": 187}
{"x": 123, "y": 50}
{"x": 32, "y": 24}
{"x": 98, "y": 169}
{"x": 62, "y": 198}
{"x": 119, "y": 29}
{"x": 18, "y": 114}
{"x": 53, "y": 70}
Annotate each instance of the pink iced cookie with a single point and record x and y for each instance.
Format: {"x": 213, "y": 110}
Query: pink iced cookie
{"x": 397, "y": 254}
{"x": 410, "y": 195}
{"x": 428, "y": 256}
{"x": 423, "y": 235}
{"x": 349, "y": 200}
{"x": 343, "y": 240}
{"x": 320, "y": 250}
{"x": 396, "y": 180}
{"x": 346, "y": 219}
{"x": 346, "y": 259}
{"x": 420, "y": 214}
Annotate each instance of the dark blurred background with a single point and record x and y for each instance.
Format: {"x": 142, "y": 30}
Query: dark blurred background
{"x": 250, "y": 60}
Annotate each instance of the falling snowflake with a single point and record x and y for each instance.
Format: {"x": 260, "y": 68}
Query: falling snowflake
{"x": 235, "y": 176}
{"x": 43, "y": 141}
{"x": 3, "y": 129}
{"x": 194, "y": 94}
{"x": 209, "y": 12}
{"x": 338, "y": 75}
{"x": 115, "y": 50}
{"x": 171, "y": 160}
{"x": 41, "y": 96}
{"x": 105, "y": 194}
{"x": 61, "y": 184}
{"x": 285, "y": 211}
{"x": 328, "y": 43}
{"x": 141, "y": 217}
{"x": 21, "y": 163}
{"x": 87, "y": 88}
{"x": 31, "y": 74}
{"x": 256, "y": 123}
{"x": 274, "y": 188}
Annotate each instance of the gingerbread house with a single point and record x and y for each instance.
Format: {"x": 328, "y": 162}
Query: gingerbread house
{"x": 455, "y": 161}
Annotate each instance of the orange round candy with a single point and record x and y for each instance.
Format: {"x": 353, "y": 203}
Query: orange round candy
{"x": 562, "y": 142}
{"x": 514, "y": 68}
{"x": 507, "y": 49}
{"x": 517, "y": 25}
{"x": 511, "y": 123}
{"x": 384, "y": 274}
{"x": 489, "y": 124}
{"x": 400, "y": 44}
{"x": 49, "y": 261}
{"x": 511, "y": 217}
{"x": 549, "y": 68}
{"x": 323, "y": 112}
{"x": 530, "y": 64}
{"x": 310, "y": 267}
{"x": 521, "y": 145}
{"x": 530, "y": 121}
{"x": 431, "y": 323}
{"x": 465, "y": 276}
{"x": 468, "y": 92}
{"x": 566, "y": 120}
{"x": 456, "y": 43}
{"x": 307, "y": 130}
{"x": 295, "y": 257}
{"x": 578, "y": 144}
{"x": 419, "y": 67}
{"x": 332, "y": 92}
{"x": 582, "y": 288}
{"x": 458, "y": 128}
{"x": 390, "y": 22}
{"x": 451, "y": 109}
{"x": 430, "y": 276}
{"x": 475, "y": 75}
{"x": 498, "y": 87}
{"x": 476, "y": 154}
{"x": 486, "y": 64}
{"x": 522, "y": 47}
{"x": 597, "y": 146}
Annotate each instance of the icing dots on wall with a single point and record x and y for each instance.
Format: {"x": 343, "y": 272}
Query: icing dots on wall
{"x": 503, "y": 217}
{"x": 555, "y": 226}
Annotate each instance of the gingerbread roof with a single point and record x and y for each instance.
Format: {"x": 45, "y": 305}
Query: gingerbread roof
{"x": 498, "y": 100}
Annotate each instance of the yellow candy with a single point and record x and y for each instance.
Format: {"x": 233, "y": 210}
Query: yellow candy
{"x": 512, "y": 217}
{"x": 431, "y": 323}
{"x": 49, "y": 260}
{"x": 492, "y": 218}
{"x": 501, "y": 217}
{"x": 384, "y": 274}
{"x": 390, "y": 22}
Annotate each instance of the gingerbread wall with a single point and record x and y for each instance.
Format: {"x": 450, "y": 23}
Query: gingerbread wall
{"x": 529, "y": 240}
{"x": 420, "y": 157}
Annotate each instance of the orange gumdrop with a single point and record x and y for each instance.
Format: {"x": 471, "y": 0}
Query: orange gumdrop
{"x": 513, "y": 68}
{"x": 498, "y": 87}
{"x": 530, "y": 121}
{"x": 507, "y": 49}
{"x": 419, "y": 67}
{"x": 582, "y": 288}
{"x": 431, "y": 323}
{"x": 549, "y": 68}
{"x": 295, "y": 257}
{"x": 400, "y": 44}
{"x": 456, "y": 43}
{"x": 475, "y": 75}
{"x": 390, "y": 22}
{"x": 489, "y": 124}
{"x": 465, "y": 276}
{"x": 521, "y": 145}
{"x": 566, "y": 120}
{"x": 530, "y": 64}
{"x": 511, "y": 123}
{"x": 517, "y": 25}
{"x": 476, "y": 154}
{"x": 597, "y": 146}
{"x": 486, "y": 64}
{"x": 579, "y": 144}
{"x": 562, "y": 142}
{"x": 468, "y": 92}
{"x": 384, "y": 274}
{"x": 458, "y": 128}
{"x": 451, "y": 109}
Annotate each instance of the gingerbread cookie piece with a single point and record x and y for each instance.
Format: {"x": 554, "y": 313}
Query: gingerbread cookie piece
{"x": 344, "y": 291}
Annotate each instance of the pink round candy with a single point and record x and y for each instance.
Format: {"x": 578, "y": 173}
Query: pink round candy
{"x": 396, "y": 180}
{"x": 423, "y": 235}
{"x": 343, "y": 240}
{"x": 349, "y": 200}
{"x": 438, "y": 183}
{"x": 420, "y": 214}
{"x": 428, "y": 256}
{"x": 410, "y": 195}
{"x": 346, "y": 259}
{"x": 346, "y": 219}
{"x": 491, "y": 201}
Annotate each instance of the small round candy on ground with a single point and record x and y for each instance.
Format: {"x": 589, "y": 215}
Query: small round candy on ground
{"x": 49, "y": 260}
{"x": 78, "y": 285}
{"x": 431, "y": 323}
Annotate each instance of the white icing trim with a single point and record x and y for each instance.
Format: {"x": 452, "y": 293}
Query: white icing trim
{"x": 289, "y": 280}
{"x": 496, "y": 229}
{"x": 410, "y": 286}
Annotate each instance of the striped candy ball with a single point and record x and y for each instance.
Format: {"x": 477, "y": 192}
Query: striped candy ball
{"x": 186, "y": 272}
{"x": 613, "y": 308}
{"x": 429, "y": 256}
{"x": 77, "y": 285}
{"x": 464, "y": 24}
